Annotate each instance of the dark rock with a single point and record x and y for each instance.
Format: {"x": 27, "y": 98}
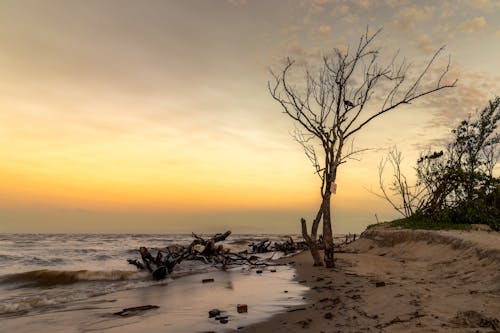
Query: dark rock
{"x": 242, "y": 308}
{"x": 207, "y": 280}
{"x": 224, "y": 321}
{"x": 213, "y": 313}
{"x": 273, "y": 271}
{"x": 259, "y": 271}
{"x": 328, "y": 315}
{"x": 380, "y": 284}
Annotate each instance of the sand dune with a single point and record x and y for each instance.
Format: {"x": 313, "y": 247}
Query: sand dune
{"x": 402, "y": 281}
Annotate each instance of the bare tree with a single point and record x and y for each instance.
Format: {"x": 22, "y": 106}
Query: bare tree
{"x": 330, "y": 106}
{"x": 405, "y": 198}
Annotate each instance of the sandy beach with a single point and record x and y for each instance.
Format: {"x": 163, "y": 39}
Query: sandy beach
{"x": 387, "y": 281}
{"x": 401, "y": 281}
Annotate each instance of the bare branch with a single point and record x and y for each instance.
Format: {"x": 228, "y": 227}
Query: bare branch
{"x": 335, "y": 102}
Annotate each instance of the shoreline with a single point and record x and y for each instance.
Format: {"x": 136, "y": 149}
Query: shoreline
{"x": 182, "y": 305}
{"x": 400, "y": 281}
{"x": 389, "y": 280}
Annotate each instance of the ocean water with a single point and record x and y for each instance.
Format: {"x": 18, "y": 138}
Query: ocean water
{"x": 42, "y": 272}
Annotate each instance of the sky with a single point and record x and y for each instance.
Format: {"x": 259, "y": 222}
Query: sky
{"x": 154, "y": 116}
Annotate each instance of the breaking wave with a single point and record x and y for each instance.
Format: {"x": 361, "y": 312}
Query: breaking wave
{"x": 46, "y": 278}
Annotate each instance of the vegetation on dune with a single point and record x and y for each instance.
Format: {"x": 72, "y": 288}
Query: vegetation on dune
{"x": 427, "y": 223}
{"x": 455, "y": 186}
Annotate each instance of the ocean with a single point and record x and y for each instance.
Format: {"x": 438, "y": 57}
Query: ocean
{"x": 42, "y": 272}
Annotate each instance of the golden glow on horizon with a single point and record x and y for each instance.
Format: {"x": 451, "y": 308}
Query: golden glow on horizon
{"x": 117, "y": 106}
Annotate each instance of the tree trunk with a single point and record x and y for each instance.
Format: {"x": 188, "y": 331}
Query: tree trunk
{"x": 312, "y": 244}
{"x": 327, "y": 233}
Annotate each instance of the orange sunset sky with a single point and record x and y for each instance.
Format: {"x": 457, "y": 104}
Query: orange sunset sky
{"x": 154, "y": 116}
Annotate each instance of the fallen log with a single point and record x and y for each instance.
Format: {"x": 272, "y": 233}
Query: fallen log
{"x": 200, "y": 249}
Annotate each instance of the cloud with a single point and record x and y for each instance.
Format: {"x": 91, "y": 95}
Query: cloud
{"x": 343, "y": 11}
{"x": 296, "y": 49}
{"x": 316, "y": 5}
{"x": 484, "y": 4}
{"x": 324, "y": 30}
{"x": 406, "y": 18}
{"x": 363, "y": 3}
{"x": 350, "y": 18}
{"x": 474, "y": 25}
{"x": 394, "y": 3}
{"x": 236, "y": 2}
{"x": 472, "y": 92}
{"x": 426, "y": 43}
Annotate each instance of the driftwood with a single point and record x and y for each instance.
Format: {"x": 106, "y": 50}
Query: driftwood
{"x": 262, "y": 246}
{"x": 287, "y": 246}
{"x": 200, "y": 249}
{"x": 209, "y": 252}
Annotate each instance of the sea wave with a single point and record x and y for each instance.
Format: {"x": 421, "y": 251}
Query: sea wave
{"x": 22, "y": 306}
{"x": 47, "y": 278}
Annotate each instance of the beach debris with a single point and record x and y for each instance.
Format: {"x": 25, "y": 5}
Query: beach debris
{"x": 207, "y": 280}
{"x": 242, "y": 308}
{"x": 217, "y": 314}
{"x": 474, "y": 319}
{"x": 200, "y": 249}
{"x": 135, "y": 310}
{"x": 213, "y": 313}
{"x": 296, "y": 309}
{"x": 287, "y": 246}
{"x": 305, "y": 323}
{"x": 262, "y": 246}
{"x": 403, "y": 319}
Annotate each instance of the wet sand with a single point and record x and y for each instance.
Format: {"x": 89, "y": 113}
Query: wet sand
{"x": 401, "y": 281}
{"x": 183, "y": 305}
